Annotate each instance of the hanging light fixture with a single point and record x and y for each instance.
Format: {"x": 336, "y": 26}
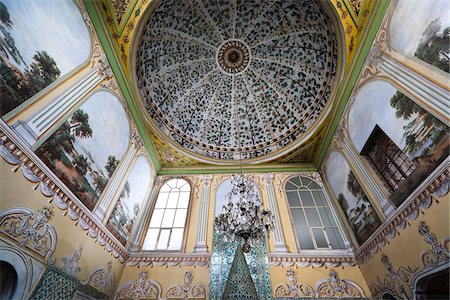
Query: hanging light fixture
{"x": 243, "y": 218}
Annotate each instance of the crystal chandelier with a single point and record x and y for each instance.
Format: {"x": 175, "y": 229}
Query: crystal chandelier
{"x": 243, "y": 218}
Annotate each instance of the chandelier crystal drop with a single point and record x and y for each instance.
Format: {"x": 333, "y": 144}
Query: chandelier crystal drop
{"x": 243, "y": 218}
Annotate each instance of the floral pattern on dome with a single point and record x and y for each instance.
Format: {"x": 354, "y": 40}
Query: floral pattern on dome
{"x": 221, "y": 77}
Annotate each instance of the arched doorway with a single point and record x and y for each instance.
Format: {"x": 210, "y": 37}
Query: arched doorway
{"x": 8, "y": 280}
{"x": 433, "y": 286}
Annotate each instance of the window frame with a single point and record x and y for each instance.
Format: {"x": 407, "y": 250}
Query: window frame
{"x": 186, "y": 222}
{"x": 338, "y": 221}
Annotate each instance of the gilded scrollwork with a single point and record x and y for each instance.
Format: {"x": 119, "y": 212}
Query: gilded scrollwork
{"x": 70, "y": 264}
{"x": 141, "y": 288}
{"x": 102, "y": 279}
{"x": 188, "y": 290}
{"x": 334, "y": 286}
{"x": 30, "y": 229}
{"x": 293, "y": 289}
{"x": 439, "y": 251}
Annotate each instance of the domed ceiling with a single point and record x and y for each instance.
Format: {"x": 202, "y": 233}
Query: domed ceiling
{"x": 216, "y": 76}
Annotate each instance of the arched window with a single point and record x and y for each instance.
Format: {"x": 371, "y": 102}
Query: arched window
{"x": 313, "y": 220}
{"x": 166, "y": 228}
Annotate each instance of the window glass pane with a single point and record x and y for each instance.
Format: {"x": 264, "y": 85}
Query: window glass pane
{"x": 335, "y": 238}
{"x": 296, "y": 181}
{"x": 162, "y": 200}
{"x": 290, "y": 187}
{"x": 183, "y": 201}
{"x": 319, "y": 197}
{"x": 304, "y": 238}
{"x": 180, "y": 218}
{"x": 298, "y": 217}
{"x": 184, "y": 187}
{"x": 173, "y": 199}
{"x": 305, "y": 181}
{"x": 163, "y": 239}
{"x": 306, "y": 198}
{"x": 156, "y": 217}
{"x": 313, "y": 185}
{"x": 150, "y": 239}
{"x": 176, "y": 239}
{"x": 172, "y": 183}
{"x": 165, "y": 188}
{"x": 319, "y": 236}
{"x": 168, "y": 218}
{"x": 293, "y": 199}
{"x": 313, "y": 217}
{"x": 327, "y": 217}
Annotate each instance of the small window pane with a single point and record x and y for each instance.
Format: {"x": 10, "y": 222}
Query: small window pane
{"x": 313, "y": 185}
{"x": 169, "y": 214}
{"x": 176, "y": 239}
{"x": 319, "y": 197}
{"x": 327, "y": 217}
{"x": 162, "y": 200}
{"x": 313, "y": 217}
{"x": 304, "y": 238}
{"x": 173, "y": 199}
{"x": 185, "y": 187}
{"x": 319, "y": 236}
{"x": 335, "y": 238}
{"x": 293, "y": 199}
{"x": 306, "y": 198}
{"x": 165, "y": 188}
{"x": 290, "y": 187}
{"x": 172, "y": 183}
{"x": 150, "y": 239}
{"x": 163, "y": 239}
{"x": 183, "y": 201}
{"x": 296, "y": 181}
{"x": 298, "y": 216}
{"x": 156, "y": 218}
{"x": 180, "y": 218}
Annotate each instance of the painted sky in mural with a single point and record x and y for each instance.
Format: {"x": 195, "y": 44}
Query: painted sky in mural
{"x": 129, "y": 203}
{"x": 376, "y": 111}
{"x": 412, "y": 18}
{"x": 40, "y": 41}
{"x": 86, "y": 149}
{"x": 359, "y": 211}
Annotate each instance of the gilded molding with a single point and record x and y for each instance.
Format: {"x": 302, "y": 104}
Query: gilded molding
{"x": 168, "y": 259}
{"x": 30, "y": 230}
{"x": 289, "y": 260}
{"x": 439, "y": 251}
{"x": 188, "y": 290}
{"x": 293, "y": 289}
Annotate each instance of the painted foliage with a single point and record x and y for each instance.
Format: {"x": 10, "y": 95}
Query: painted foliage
{"x": 40, "y": 41}
{"x": 127, "y": 208}
{"x": 422, "y": 29}
{"x": 423, "y": 138}
{"x": 351, "y": 197}
{"x": 85, "y": 150}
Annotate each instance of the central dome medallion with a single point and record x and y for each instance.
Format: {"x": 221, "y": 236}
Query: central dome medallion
{"x": 233, "y": 57}
{"x": 236, "y": 78}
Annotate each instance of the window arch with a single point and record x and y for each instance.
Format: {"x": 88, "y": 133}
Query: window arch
{"x": 312, "y": 217}
{"x": 166, "y": 228}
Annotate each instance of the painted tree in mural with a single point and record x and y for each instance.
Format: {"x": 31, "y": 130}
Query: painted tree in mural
{"x": 111, "y": 165}
{"x": 421, "y": 122}
{"x": 434, "y": 46}
{"x": 17, "y": 86}
{"x": 80, "y": 124}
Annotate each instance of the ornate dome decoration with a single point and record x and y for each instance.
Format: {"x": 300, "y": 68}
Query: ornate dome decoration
{"x": 218, "y": 75}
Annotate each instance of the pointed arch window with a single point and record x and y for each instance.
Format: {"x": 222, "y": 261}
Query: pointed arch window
{"x": 166, "y": 228}
{"x": 312, "y": 217}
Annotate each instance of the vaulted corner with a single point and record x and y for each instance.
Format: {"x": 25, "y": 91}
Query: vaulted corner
{"x": 224, "y": 149}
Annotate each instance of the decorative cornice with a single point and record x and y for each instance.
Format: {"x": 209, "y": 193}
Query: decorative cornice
{"x": 291, "y": 259}
{"x": 144, "y": 259}
{"x": 408, "y": 211}
{"x": 13, "y": 151}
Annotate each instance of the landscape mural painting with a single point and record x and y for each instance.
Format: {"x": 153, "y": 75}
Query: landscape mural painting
{"x": 133, "y": 194}
{"x": 86, "y": 149}
{"x": 422, "y": 137}
{"x": 40, "y": 41}
{"x": 422, "y": 29}
{"x": 351, "y": 197}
